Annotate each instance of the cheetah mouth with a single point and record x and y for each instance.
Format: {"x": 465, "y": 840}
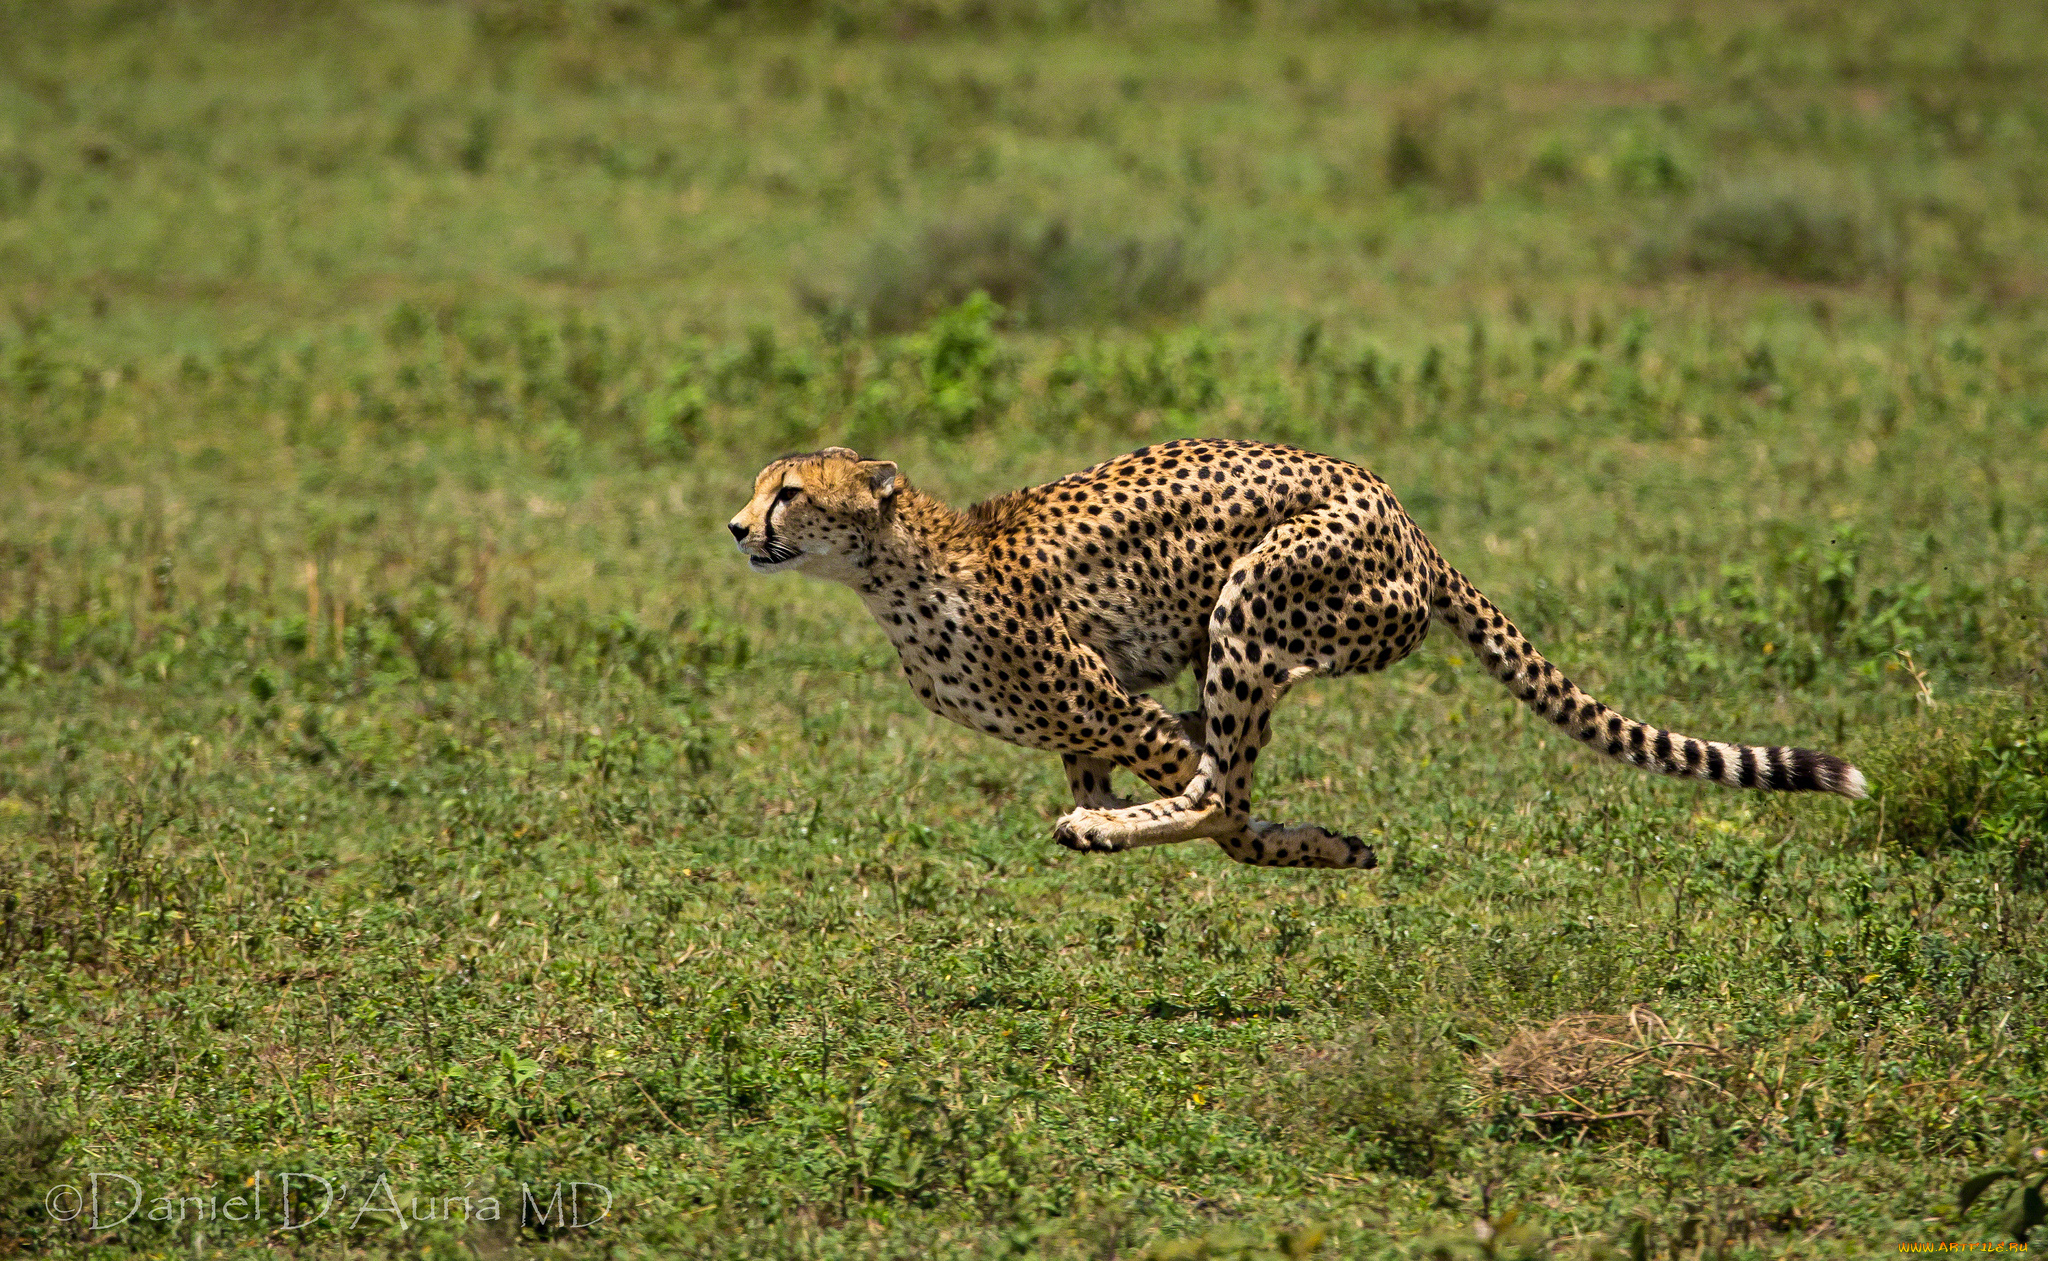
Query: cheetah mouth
{"x": 772, "y": 556}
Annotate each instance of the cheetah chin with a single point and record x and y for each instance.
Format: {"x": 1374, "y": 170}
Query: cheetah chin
{"x": 1043, "y": 617}
{"x": 773, "y": 561}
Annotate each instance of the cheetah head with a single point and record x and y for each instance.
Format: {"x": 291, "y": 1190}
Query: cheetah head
{"x": 814, "y": 513}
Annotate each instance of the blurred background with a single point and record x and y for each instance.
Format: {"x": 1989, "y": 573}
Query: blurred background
{"x": 402, "y": 252}
{"x": 378, "y": 682}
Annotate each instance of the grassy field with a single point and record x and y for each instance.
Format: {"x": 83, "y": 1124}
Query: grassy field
{"x": 404, "y": 784}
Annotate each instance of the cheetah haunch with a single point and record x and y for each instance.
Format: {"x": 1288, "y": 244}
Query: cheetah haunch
{"x": 1044, "y": 615}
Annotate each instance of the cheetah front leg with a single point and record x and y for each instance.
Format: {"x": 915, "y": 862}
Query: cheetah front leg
{"x": 1138, "y": 734}
{"x": 1088, "y": 780}
{"x": 1088, "y": 777}
{"x": 1184, "y": 817}
{"x": 1191, "y": 759}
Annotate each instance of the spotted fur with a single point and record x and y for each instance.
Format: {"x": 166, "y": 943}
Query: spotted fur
{"x": 1044, "y": 616}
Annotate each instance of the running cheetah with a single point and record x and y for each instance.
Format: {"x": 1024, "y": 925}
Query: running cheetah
{"x": 1043, "y": 617}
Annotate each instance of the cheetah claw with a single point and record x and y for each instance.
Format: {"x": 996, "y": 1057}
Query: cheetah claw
{"x": 1072, "y": 832}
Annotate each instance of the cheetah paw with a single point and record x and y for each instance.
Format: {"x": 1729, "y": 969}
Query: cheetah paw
{"x": 1088, "y": 831}
{"x": 1310, "y": 846}
{"x": 1360, "y": 854}
{"x": 1348, "y": 851}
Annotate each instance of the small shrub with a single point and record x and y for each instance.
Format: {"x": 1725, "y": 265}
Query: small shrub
{"x": 951, "y": 377}
{"x": 1553, "y": 166}
{"x": 673, "y": 418}
{"x": 1411, "y": 151}
{"x": 21, "y": 177}
{"x": 966, "y": 374}
{"x": 1046, "y": 279}
{"x": 1434, "y": 15}
{"x": 1232, "y": 1244}
{"x": 1508, "y": 1237}
{"x": 1171, "y": 379}
{"x": 1979, "y": 777}
{"x": 2024, "y": 1209}
{"x": 1418, "y": 156}
{"x": 31, "y": 1158}
{"x": 474, "y": 154}
{"x": 1784, "y": 234}
{"x": 1392, "y": 1093}
{"x": 1646, "y": 164}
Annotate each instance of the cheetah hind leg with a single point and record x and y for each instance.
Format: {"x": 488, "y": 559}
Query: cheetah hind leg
{"x": 1257, "y": 652}
{"x": 1264, "y": 843}
{"x": 1269, "y": 844}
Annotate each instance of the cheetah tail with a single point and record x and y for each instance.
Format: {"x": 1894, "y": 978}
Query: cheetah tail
{"x": 1544, "y": 688}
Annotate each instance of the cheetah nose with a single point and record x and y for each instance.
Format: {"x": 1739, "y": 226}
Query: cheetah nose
{"x": 739, "y": 532}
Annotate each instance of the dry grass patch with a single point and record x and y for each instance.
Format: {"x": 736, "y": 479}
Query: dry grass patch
{"x": 1598, "y": 1069}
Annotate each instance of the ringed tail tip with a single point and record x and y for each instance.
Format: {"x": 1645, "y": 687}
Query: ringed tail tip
{"x": 1854, "y": 785}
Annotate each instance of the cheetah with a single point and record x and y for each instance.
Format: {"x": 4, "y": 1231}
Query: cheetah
{"x": 1044, "y": 616}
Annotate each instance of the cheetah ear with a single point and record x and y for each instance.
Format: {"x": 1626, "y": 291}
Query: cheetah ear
{"x": 881, "y": 477}
{"x": 843, "y": 453}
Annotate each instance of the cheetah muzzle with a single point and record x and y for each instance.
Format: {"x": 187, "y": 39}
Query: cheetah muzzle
{"x": 1044, "y": 616}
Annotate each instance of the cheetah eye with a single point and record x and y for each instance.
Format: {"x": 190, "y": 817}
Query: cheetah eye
{"x": 787, "y": 493}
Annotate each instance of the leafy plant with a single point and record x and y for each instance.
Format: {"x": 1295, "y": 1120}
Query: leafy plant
{"x": 2024, "y": 1208}
{"x": 1507, "y": 1237}
{"x": 964, "y": 369}
{"x": 32, "y": 1162}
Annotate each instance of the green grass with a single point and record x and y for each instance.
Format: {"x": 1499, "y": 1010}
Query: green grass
{"x": 401, "y": 777}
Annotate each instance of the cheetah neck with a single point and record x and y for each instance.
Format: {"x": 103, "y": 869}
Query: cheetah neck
{"x": 922, "y": 541}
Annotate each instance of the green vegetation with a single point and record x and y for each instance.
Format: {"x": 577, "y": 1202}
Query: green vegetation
{"x": 401, "y": 778}
{"x": 2025, "y": 1211}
